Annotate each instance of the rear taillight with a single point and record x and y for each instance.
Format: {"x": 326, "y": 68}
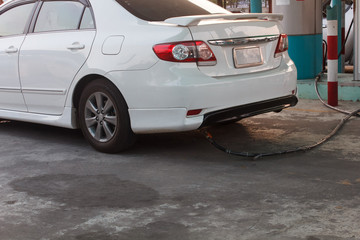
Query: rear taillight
{"x": 197, "y": 51}
{"x": 282, "y": 46}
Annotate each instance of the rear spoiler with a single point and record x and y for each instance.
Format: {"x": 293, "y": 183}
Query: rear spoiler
{"x": 196, "y": 19}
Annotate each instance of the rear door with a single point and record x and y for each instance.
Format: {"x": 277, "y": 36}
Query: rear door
{"x": 53, "y": 53}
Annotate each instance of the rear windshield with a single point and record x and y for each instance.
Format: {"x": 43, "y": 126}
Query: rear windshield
{"x": 159, "y": 10}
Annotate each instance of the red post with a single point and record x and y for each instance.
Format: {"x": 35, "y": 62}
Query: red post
{"x": 332, "y": 40}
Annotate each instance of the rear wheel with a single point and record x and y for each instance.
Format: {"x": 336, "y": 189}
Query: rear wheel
{"x": 104, "y": 118}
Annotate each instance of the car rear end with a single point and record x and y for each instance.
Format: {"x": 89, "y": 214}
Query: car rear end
{"x": 233, "y": 66}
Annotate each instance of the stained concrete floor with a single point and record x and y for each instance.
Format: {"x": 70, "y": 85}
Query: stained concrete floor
{"x": 177, "y": 186}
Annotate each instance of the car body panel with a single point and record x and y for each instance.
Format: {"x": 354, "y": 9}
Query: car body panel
{"x": 11, "y": 97}
{"x": 66, "y": 120}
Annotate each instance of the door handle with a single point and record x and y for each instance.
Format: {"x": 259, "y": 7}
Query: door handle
{"x": 76, "y": 46}
{"x": 12, "y": 49}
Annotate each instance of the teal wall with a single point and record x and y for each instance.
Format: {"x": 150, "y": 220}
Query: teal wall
{"x": 307, "y": 53}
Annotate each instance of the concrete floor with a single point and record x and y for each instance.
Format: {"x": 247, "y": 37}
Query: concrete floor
{"x": 348, "y": 89}
{"x": 178, "y": 187}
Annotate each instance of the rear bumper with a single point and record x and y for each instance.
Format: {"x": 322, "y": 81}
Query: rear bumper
{"x": 160, "y": 97}
{"x": 175, "y": 119}
{"x": 249, "y": 110}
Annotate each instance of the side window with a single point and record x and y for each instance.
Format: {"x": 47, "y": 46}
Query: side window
{"x": 13, "y": 21}
{"x": 59, "y": 15}
{"x": 87, "y": 21}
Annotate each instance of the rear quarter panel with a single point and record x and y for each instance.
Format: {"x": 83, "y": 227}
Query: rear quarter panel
{"x": 138, "y": 38}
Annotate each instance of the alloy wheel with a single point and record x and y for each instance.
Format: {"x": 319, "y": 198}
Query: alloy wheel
{"x": 100, "y": 117}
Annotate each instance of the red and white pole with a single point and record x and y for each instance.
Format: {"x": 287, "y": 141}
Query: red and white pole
{"x": 332, "y": 39}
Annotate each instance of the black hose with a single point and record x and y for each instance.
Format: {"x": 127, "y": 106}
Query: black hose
{"x": 325, "y": 55}
{"x": 322, "y": 100}
{"x": 305, "y": 148}
{"x": 347, "y": 36}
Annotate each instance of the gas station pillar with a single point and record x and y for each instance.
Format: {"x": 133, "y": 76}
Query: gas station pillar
{"x": 303, "y": 24}
{"x": 256, "y": 6}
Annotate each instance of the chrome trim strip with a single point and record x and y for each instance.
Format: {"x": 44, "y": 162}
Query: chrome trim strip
{"x": 12, "y": 90}
{"x": 44, "y": 91}
{"x": 243, "y": 40}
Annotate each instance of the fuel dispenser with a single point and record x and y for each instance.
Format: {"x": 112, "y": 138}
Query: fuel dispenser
{"x": 303, "y": 24}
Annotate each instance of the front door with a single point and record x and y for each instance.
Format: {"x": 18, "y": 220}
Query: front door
{"x": 12, "y": 29}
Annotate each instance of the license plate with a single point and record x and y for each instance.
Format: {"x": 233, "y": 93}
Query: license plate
{"x": 247, "y": 57}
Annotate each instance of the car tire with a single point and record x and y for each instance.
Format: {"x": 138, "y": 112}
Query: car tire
{"x": 104, "y": 118}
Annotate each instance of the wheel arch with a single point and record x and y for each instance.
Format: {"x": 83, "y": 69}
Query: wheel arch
{"x": 83, "y": 82}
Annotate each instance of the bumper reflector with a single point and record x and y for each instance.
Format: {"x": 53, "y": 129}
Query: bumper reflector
{"x": 193, "y": 112}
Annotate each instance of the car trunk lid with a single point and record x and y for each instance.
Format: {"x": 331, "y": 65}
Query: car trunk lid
{"x": 241, "y": 43}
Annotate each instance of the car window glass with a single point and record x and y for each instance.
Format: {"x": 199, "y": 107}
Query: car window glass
{"x": 159, "y": 10}
{"x": 87, "y": 21}
{"x": 13, "y": 21}
{"x": 59, "y": 15}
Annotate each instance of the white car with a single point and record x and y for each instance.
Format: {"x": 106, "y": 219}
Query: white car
{"x": 116, "y": 68}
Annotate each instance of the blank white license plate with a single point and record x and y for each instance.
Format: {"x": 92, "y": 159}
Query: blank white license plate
{"x": 247, "y": 57}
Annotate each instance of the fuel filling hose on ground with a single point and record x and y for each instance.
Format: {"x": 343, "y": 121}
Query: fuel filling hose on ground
{"x": 306, "y": 148}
